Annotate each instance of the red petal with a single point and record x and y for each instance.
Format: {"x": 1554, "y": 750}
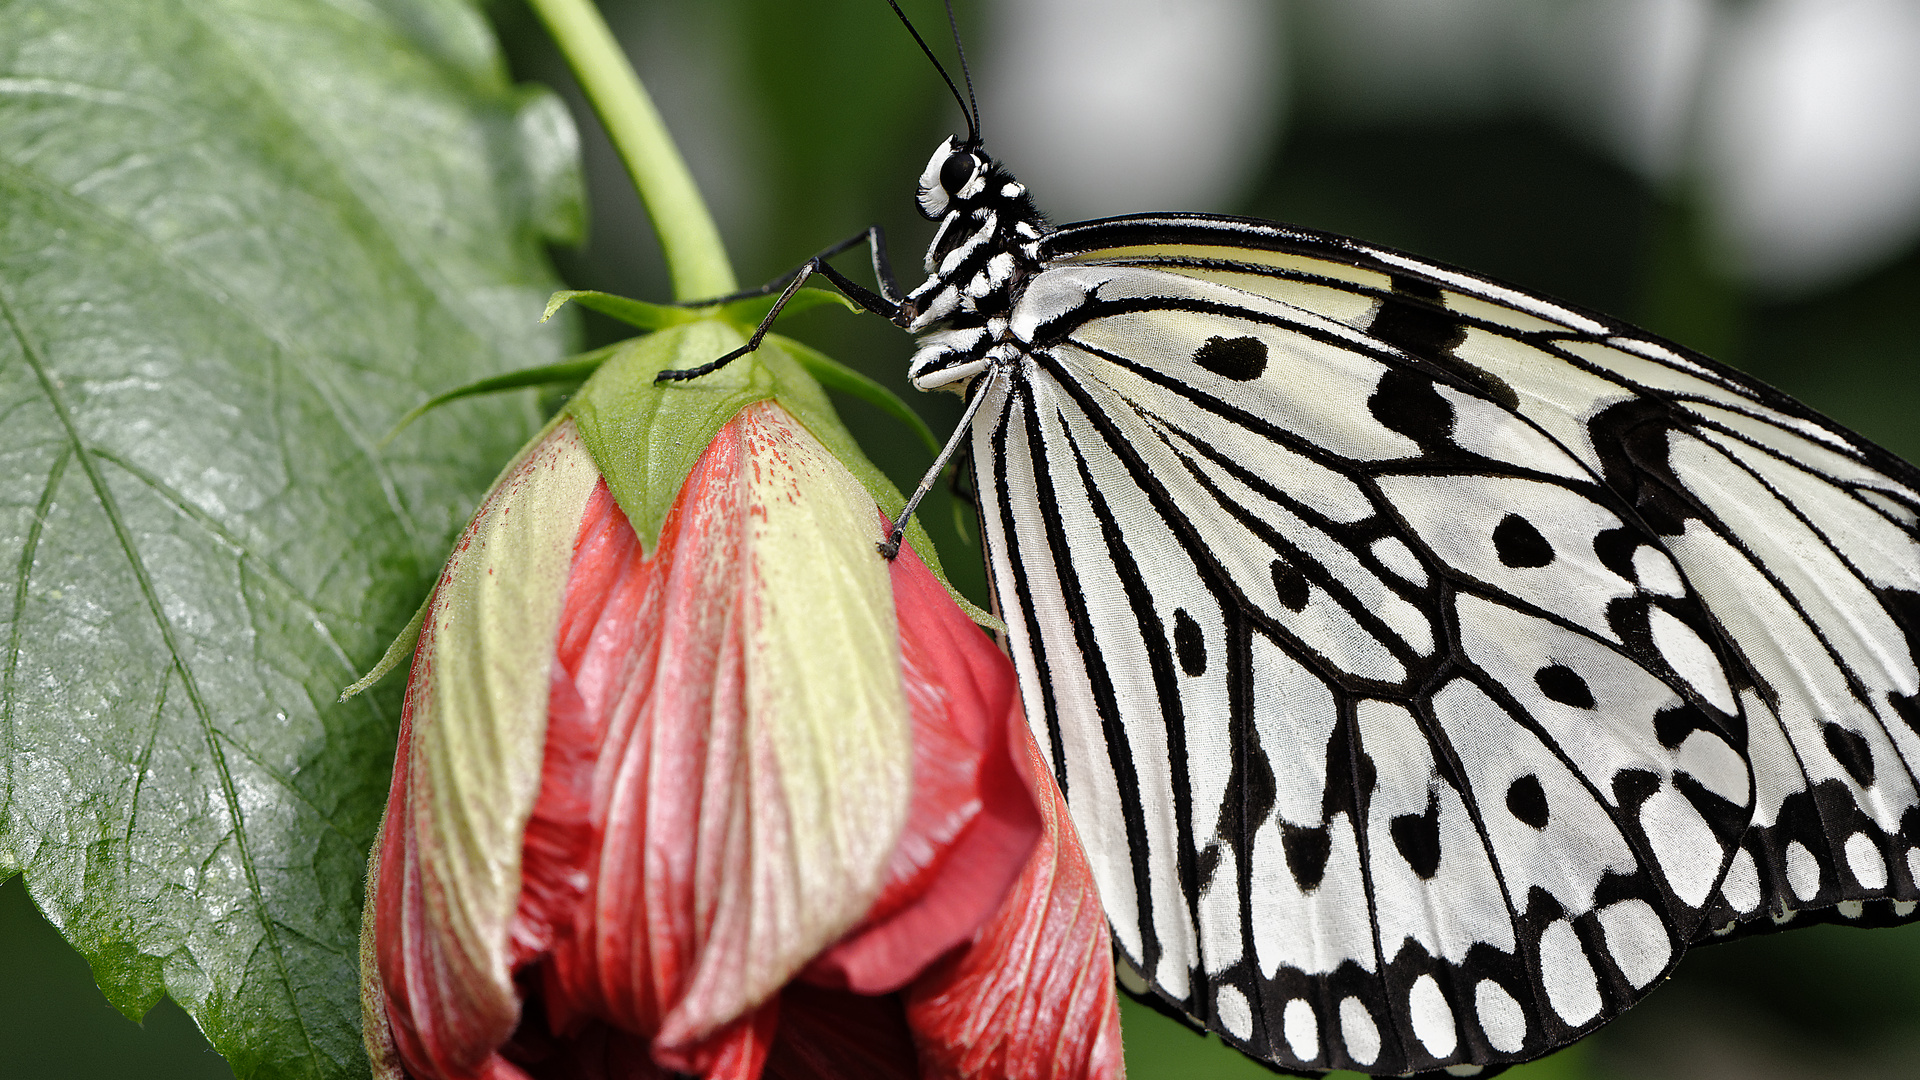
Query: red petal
{"x": 611, "y": 582}
{"x": 1033, "y": 997}
{"x": 737, "y": 1052}
{"x": 438, "y": 987}
{"x": 604, "y": 668}
{"x": 973, "y": 822}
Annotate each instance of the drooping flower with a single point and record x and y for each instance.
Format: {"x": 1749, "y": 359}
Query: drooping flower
{"x": 754, "y": 801}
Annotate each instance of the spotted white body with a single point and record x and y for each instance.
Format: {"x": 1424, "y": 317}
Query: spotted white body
{"x": 1427, "y": 664}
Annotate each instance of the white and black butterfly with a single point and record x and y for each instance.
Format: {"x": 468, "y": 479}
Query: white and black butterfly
{"x": 1426, "y": 663}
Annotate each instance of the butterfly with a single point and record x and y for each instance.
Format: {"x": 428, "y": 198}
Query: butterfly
{"x": 1427, "y": 664}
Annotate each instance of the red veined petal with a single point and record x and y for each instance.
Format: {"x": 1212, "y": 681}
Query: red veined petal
{"x": 735, "y": 1052}
{"x": 1033, "y": 996}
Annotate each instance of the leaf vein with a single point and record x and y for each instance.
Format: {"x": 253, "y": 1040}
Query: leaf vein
{"x": 236, "y": 547}
{"x": 268, "y": 328}
{"x": 285, "y": 781}
{"x": 140, "y": 769}
{"x": 22, "y": 578}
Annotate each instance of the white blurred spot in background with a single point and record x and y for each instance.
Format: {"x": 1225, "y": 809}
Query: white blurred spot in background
{"x": 1116, "y": 106}
{"x": 1811, "y": 133}
{"x": 1796, "y": 122}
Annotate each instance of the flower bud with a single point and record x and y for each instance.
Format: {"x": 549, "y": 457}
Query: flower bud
{"x": 718, "y": 805}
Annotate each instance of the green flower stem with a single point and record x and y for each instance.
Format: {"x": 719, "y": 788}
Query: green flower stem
{"x": 695, "y": 256}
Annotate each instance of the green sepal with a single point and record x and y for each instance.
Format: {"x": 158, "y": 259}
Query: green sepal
{"x": 639, "y": 313}
{"x": 752, "y": 312}
{"x": 398, "y": 652}
{"x": 646, "y": 436}
{"x": 835, "y": 375}
{"x": 567, "y": 371}
{"x": 633, "y": 312}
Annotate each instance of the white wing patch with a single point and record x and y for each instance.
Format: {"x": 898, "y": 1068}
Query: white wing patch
{"x": 1310, "y": 928}
{"x": 1550, "y": 824}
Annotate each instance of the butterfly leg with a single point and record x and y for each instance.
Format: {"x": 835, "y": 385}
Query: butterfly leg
{"x": 886, "y": 303}
{"x": 891, "y": 546}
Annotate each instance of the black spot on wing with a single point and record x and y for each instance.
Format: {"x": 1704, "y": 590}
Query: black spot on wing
{"x": 1631, "y": 787}
{"x": 1519, "y": 544}
{"x": 1630, "y": 439}
{"x": 1187, "y": 644}
{"x": 1260, "y": 791}
{"x": 1241, "y": 359}
{"x": 1422, "y": 329}
{"x": 1289, "y": 584}
{"x": 1405, "y": 401}
{"x": 1417, "y": 836}
{"x": 1527, "y": 801}
{"x": 1209, "y": 862}
{"x": 1908, "y": 706}
{"x": 1416, "y": 321}
{"x": 1904, "y": 606}
{"x": 1673, "y": 724}
{"x": 1850, "y": 748}
{"x": 1564, "y": 685}
{"x": 1615, "y": 547}
{"x": 1306, "y": 850}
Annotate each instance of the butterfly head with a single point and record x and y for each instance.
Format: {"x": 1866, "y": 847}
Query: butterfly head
{"x": 978, "y": 204}
{"x": 957, "y": 172}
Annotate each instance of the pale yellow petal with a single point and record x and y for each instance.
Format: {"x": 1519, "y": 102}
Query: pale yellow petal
{"x": 478, "y": 698}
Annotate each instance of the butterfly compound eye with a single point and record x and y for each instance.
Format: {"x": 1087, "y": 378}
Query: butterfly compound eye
{"x": 955, "y": 173}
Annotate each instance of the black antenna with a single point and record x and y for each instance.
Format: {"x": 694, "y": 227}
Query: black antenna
{"x": 973, "y": 122}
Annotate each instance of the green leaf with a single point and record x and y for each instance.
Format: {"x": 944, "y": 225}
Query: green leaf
{"x": 238, "y": 238}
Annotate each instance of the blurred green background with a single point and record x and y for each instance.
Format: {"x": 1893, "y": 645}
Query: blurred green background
{"x": 1619, "y": 154}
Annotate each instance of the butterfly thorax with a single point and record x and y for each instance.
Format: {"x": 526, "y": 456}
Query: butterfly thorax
{"x": 987, "y": 246}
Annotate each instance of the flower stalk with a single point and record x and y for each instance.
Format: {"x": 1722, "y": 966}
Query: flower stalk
{"x": 696, "y": 257}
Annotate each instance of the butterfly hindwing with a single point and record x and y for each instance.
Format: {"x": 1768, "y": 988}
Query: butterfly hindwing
{"x": 1367, "y": 729}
